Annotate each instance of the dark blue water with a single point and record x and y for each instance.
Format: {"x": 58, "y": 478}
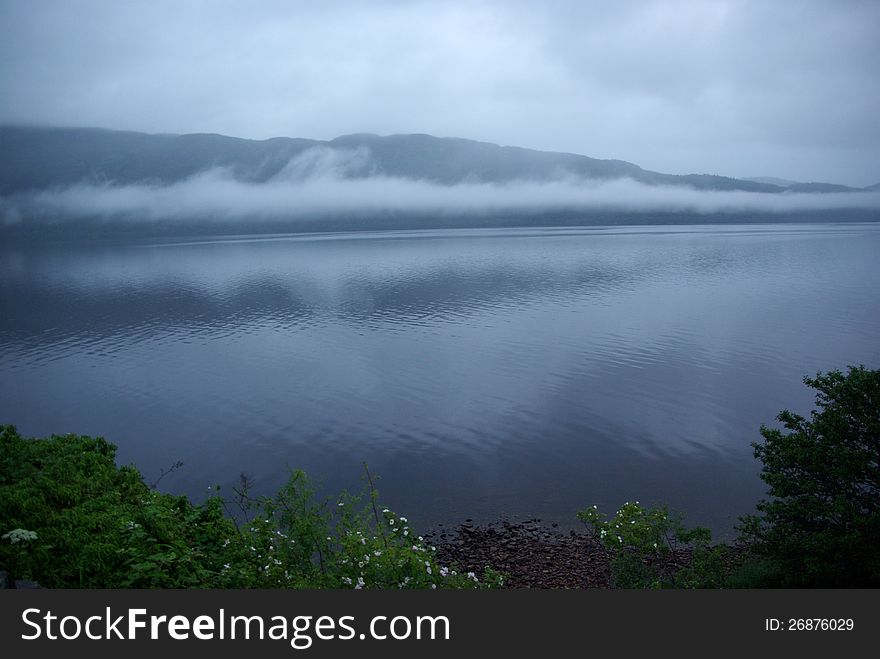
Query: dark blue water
{"x": 481, "y": 374}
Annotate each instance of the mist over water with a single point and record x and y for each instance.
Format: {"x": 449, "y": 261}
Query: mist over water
{"x": 481, "y": 373}
{"x": 328, "y": 181}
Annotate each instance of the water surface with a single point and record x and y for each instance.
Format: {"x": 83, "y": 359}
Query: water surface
{"x": 482, "y": 374}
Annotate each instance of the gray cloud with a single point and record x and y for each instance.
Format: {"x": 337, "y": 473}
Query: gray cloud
{"x": 324, "y": 181}
{"x": 733, "y": 87}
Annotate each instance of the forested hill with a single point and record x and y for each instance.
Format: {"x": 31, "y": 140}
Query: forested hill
{"x": 33, "y": 158}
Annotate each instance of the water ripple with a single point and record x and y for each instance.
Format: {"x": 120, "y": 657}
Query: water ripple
{"x": 484, "y": 367}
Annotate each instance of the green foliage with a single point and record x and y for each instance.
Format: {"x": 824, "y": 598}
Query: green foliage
{"x": 71, "y": 518}
{"x": 822, "y": 525}
{"x": 651, "y": 548}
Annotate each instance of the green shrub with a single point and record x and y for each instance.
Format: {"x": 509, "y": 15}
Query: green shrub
{"x": 822, "y": 525}
{"x": 650, "y": 548}
{"x": 70, "y": 518}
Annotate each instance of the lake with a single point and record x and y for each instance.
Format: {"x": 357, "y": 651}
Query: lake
{"x": 482, "y": 374}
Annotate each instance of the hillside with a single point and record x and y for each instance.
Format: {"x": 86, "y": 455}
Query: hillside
{"x": 37, "y": 158}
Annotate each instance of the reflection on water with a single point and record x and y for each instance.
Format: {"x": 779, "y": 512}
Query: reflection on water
{"x": 480, "y": 373}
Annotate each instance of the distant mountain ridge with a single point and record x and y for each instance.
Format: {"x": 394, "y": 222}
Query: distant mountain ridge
{"x": 33, "y": 158}
{"x": 771, "y": 180}
{"x": 797, "y": 186}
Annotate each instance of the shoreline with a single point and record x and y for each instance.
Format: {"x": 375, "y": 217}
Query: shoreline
{"x": 531, "y": 553}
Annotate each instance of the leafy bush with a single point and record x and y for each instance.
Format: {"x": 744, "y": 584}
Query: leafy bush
{"x": 71, "y": 518}
{"x": 822, "y": 525}
{"x": 650, "y": 548}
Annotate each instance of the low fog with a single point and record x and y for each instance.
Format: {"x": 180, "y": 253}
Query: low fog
{"x": 326, "y": 182}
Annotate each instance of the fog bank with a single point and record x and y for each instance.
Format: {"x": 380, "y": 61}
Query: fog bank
{"x": 325, "y": 182}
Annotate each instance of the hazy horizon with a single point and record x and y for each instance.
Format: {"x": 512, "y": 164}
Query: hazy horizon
{"x": 325, "y": 181}
{"x": 765, "y": 176}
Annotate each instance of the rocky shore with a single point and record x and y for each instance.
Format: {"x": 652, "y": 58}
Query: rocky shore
{"x": 531, "y": 553}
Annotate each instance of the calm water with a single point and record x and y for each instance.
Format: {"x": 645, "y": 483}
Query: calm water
{"x": 480, "y": 373}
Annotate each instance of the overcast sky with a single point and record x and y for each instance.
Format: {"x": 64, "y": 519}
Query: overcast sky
{"x": 788, "y": 88}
